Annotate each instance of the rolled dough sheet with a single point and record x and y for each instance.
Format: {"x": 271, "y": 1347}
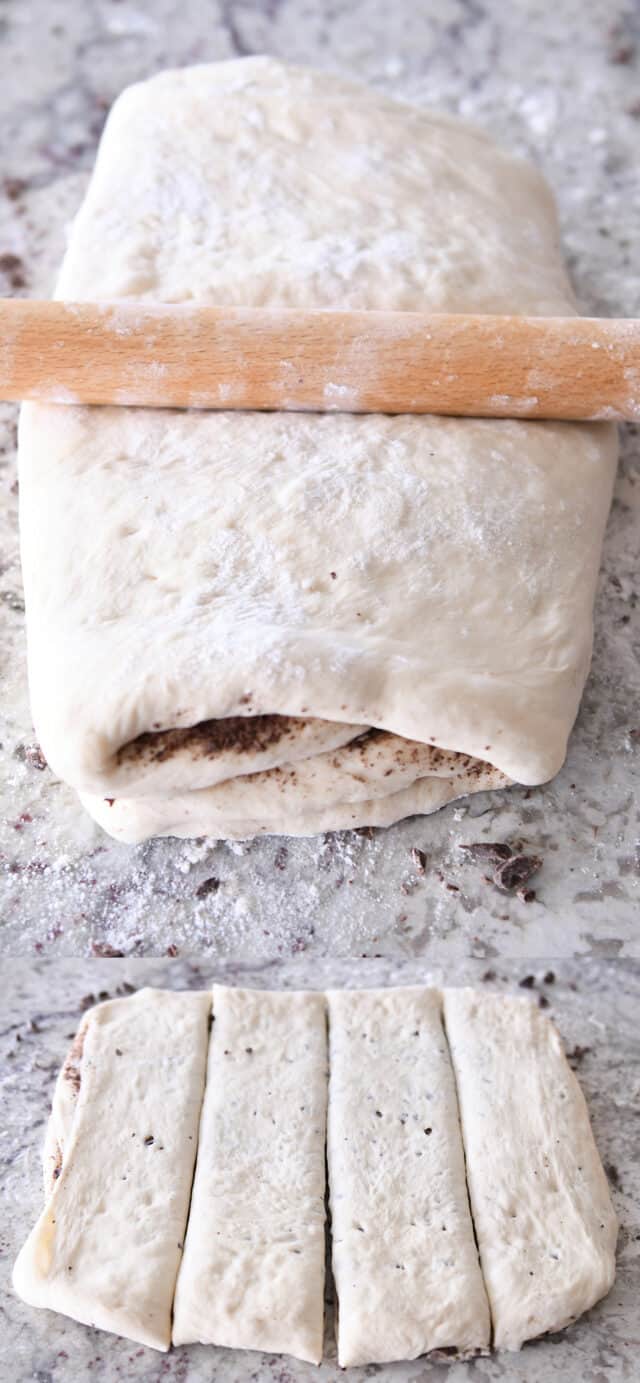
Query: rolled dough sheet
{"x": 215, "y": 597}
{"x": 252, "y": 1272}
{"x": 107, "y": 1245}
{"x": 543, "y": 1217}
{"x": 405, "y": 1262}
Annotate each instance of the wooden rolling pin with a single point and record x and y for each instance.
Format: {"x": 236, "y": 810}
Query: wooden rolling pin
{"x": 356, "y": 362}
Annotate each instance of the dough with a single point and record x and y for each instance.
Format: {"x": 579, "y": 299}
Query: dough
{"x": 543, "y": 1217}
{"x": 120, "y": 1153}
{"x": 252, "y": 1273}
{"x": 106, "y": 1247}
{"x": 405, "y": 1262}
{"x": 220, "y": 605}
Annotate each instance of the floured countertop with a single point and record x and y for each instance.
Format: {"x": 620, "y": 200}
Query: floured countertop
{"x": 595, "y": 1004}
{"x": 65, "y": 887}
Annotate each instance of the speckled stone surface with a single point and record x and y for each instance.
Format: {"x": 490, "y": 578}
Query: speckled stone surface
{"x": 595, "y": 1004}
{"x": 556, "y": 82}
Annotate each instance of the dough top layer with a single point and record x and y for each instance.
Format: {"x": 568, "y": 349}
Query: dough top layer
{"x": 432, "y": 577}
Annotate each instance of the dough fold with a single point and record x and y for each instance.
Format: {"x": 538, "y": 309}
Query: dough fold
{"x": 221, "y": 607}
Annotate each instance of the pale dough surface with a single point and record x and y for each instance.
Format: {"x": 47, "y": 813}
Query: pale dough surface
{"x": 107, "y": 1245}
{"x": 544, "y": 1221}
{"x": 405, "y": 1262}
{"x": 430, "y": 577}
{"x": 252, "y": 1272}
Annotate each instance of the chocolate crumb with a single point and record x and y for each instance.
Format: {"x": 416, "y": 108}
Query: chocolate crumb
{"x": 490, "y": 850}
{"x": 32, "y": 755}
{"x": 148, "y": 1140}
{"x": 578, "y": 1054}
{"x": 249, "y": 1051}
{"x": 549, "y": 978}
{"x": 612, "y": 1173}
{"x": 543, "y": 1001}
{"x": 207, "y": 886}
{"x": 529, "y": 982}
{"x": 515, "y": 872}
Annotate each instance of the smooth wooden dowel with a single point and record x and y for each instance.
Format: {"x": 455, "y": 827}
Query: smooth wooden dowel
{"x": 166, "y": 356}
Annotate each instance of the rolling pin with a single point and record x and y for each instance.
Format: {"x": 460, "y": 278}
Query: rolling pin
{"x": 186, "y": 356}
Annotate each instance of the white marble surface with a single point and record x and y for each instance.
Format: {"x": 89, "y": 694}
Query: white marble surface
{"x": 558, "y": 82}
{"x": 595, "y": 1004}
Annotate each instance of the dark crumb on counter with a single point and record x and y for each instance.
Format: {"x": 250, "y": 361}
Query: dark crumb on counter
{"x": 87, "y": 1001}
{"x": 13, "y": 188}
{"x": 612, "y": 1173}
{"x": 172, "y": 950}
{"x": 622, "y": 55}
{"x": 13, "y": 268}
{"x": 516, "y": 872}
{"x": 229, "y": 735}
{"x": 529, "y": 982}
{"x": 32, "y": 755}
{"x": 419, "y": 860}
{"x": 489, "y": 850}
{"x": 511, "y": 868}
{"x": 488, "y": 976}
{"x": 102, "y": 949}
{"x": 549, "y": 978}
{"x": 543, "y": 1002}
{"x": 207, "y": 886}
{"x": 148, "y": 1140}
{"x": 577, "y": 1055}
{"x": 281, "y": 857}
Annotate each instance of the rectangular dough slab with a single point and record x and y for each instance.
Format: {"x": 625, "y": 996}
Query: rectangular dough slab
{"x": 405, "y": 1261}
{"x": 214, "y": 597}
{"x": 107, "y": 1245}
{"x": 252, "y": 1273}
{"x": 543, "y": 1216}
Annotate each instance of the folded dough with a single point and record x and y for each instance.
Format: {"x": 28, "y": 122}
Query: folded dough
{"x": 543, "y": 1217}
{"x": 252, "y": 1272}
{"x": 107, "y": 1245}
{"x": 405, "y": 1262}
{"x": 221, "y": 606}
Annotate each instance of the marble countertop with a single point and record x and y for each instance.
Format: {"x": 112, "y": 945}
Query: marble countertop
{"x": 556, "y": 82}
{"x": 596, "y": 1005}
